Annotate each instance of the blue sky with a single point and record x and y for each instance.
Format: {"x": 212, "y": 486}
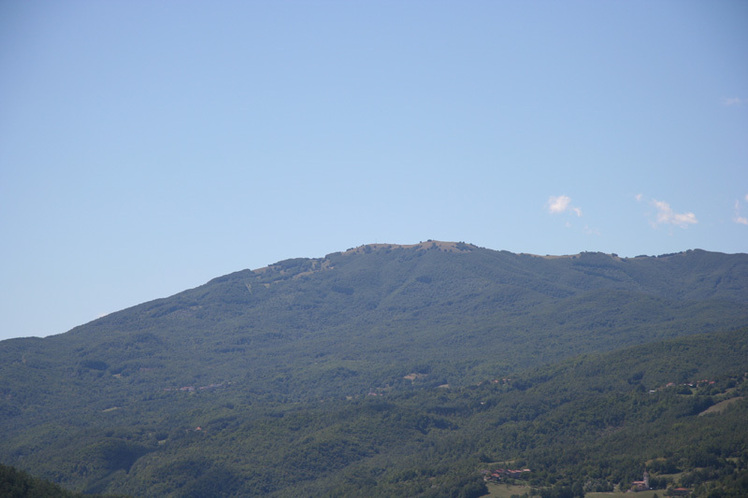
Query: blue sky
{"x": 147, "y": 147}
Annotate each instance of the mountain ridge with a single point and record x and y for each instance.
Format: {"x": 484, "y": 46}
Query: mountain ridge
{"x": 394, "y": 286}
{"x": 446, "y": 246}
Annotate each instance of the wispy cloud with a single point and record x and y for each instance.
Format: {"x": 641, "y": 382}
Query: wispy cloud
{"x": 737, "y": 218}
{"x": 733, "y": 101}
{"x": 558, "y": 204}
{"x": 666, "y": 216}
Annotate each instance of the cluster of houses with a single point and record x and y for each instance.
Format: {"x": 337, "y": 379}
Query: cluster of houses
{"x": 643, "y": 485}
{"x": 498, "y": 474}
{"x": 695, "y": 384}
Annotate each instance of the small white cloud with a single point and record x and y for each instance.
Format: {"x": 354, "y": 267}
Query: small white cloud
{"x": 733, "y": 101}
{"x": 666, "y": 215}
{"x": 639, "y": 197}
{"x": 560, "y": 204}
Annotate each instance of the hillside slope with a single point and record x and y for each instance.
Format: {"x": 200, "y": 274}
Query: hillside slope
{"x": 377, "y": 319}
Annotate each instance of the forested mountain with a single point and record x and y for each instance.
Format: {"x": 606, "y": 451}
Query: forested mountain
{"x": 398, "y": 370}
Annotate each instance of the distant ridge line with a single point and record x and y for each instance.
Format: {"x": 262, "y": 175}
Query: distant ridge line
{"x": 424, "y": 246}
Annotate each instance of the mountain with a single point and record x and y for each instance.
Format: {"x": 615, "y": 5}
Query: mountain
{"x": 284, "y": 379}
